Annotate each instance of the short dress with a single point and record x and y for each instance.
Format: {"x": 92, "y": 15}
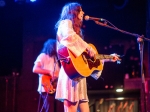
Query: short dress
{"x": 68, "y": 89}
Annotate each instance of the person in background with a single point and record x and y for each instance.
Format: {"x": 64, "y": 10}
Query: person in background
{"x": 47, "y": 67}
{"x": 69, "y": 34}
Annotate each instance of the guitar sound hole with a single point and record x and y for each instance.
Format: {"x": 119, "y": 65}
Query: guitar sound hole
{"x": 92, "y": 64}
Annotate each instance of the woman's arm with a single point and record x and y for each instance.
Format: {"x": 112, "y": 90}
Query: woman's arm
{"x": 69, "y": 38}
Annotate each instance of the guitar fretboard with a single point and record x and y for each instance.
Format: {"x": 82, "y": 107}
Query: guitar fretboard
{"x": 101, "y": 56}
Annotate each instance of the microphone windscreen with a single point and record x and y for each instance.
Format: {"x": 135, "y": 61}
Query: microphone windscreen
{"x": 86, "y": 18}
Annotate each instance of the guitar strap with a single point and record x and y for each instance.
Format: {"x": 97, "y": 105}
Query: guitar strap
{"x": 55, "y": 63}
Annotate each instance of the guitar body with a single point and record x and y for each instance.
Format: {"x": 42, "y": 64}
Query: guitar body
{"x": 48, "y": 84}
{"x": 79, "y": 67}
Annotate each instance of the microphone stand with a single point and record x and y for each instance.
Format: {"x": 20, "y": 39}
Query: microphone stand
{"x": 140, "y": 40}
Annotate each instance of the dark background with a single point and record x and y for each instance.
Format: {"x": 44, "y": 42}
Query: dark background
{"x": 21, "y": 21}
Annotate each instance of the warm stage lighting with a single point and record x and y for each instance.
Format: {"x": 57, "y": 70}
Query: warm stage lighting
{"x": 119, "y": 90}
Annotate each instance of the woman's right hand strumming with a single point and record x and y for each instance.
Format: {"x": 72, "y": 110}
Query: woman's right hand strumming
{"x": 91, "y": 51}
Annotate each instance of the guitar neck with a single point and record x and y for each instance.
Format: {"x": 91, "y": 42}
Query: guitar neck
{"x": 102, "y": 56}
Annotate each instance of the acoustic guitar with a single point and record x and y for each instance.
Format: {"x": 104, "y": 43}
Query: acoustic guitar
{"x": 83, "y": 65}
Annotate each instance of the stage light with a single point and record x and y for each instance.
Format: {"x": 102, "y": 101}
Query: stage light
{"x": 120, "y": 98}
{"x": 111, "y": 86}
{"x": 106, "y": 86}
{"x": 119, "y": 90}
{"x": 32, "y": 0}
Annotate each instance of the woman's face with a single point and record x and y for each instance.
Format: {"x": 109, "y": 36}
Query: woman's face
{"x": 80, "y": 15}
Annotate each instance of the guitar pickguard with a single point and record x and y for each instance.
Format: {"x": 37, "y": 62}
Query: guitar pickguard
{"x": 93, "y": 64}
{"x": 90, "y": 61}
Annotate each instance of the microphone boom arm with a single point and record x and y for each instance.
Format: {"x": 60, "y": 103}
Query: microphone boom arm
{"x": 117, "y": 29}
{"x": 141, "y": 47}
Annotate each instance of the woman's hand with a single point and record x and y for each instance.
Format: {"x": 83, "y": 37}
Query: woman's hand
{"x": 91, "y": 51}
{"x": 115, "y": 57}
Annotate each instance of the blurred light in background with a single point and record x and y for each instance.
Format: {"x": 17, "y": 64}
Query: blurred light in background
{"x": 106, "y": 86}
{"x": 111, "y": 86}
{"x": 25, "y": 1}
{"x": 32, "y": 0}
{"x": 119, "y": 90}
{"x": 2, "y": 3}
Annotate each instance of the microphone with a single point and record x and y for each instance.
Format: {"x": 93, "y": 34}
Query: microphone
{"x": 93, "y": 18}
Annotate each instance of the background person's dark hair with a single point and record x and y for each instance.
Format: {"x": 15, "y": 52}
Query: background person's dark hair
{"x": 49, "y": 47}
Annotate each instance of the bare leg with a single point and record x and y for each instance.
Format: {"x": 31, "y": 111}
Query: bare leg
{"x": 84, "y": 106}
{"x": 70, "y": 107}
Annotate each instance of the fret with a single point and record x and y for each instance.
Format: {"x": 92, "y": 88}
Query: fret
{"x": 101, "y": 56}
